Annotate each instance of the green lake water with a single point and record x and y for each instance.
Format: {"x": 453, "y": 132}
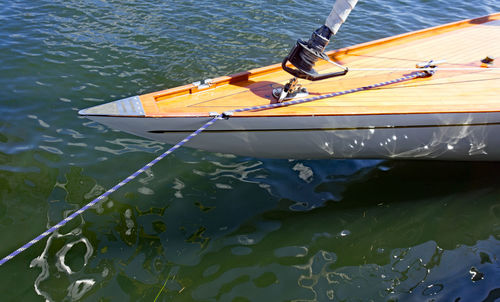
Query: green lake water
{"x": 201, "y": 226}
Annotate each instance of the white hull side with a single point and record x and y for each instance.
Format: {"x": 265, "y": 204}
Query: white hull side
{"x": 457, "y": 136}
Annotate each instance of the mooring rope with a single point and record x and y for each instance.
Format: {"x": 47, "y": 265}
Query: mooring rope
{"x": 226, "y": 114}
{"x": 108, "y": 192}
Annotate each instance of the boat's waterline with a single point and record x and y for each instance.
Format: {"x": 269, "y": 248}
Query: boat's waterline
{"x": 458, "y": 136}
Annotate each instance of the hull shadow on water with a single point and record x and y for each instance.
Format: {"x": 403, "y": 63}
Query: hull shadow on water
{"x": 401, "y": 231}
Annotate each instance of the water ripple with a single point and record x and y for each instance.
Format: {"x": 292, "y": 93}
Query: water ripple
{"x": 255, "y": 230}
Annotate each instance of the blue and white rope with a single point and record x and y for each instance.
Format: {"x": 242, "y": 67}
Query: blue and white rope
{"x": 108, "y": 192}
{"x": 414, "y": 75}
{"x": 191, "y": 136}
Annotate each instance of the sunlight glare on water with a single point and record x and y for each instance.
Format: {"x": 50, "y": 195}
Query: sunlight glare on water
{"x": 204, "y": 226}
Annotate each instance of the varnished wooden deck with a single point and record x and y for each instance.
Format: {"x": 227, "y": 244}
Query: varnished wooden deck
{"x": 462, "y": 45}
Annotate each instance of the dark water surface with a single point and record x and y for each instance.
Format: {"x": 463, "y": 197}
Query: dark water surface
{"x": 211, "y": 227}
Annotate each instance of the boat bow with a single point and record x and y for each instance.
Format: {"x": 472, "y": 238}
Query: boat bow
{"x": 130, "y": 106}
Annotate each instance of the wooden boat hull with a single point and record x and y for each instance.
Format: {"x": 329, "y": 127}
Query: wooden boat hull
{"x": 453, "y": 115}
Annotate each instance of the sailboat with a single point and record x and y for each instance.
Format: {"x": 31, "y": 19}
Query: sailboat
{"x": 377, "y": 109}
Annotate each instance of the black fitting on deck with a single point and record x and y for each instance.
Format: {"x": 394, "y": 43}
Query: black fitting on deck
{"x": 304, "y": 56}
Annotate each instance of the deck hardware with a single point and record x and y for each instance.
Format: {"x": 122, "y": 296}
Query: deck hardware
{"x": 429, "y": 67}
{"x": 203, "y": 83}
{"x": 309, "y": 74}
{"x": 429, "y": 64}
{"x": 305, "y": 54}
{"x": 227, "y": 114}
{"x": 290, "y": 90}
{"x": 487, "y": 61}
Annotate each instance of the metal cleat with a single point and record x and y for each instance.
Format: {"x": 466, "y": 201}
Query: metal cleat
{"x": 290, "y": 90}
{"x": 429, "y": 67}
